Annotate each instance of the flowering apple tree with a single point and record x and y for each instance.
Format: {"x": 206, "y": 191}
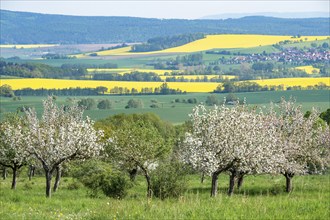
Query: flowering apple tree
{"x": 236, "y": 139}
{"x": 13, "y": 145}
{"x": 304, "y": 141}
{"x": 61, "y": 134}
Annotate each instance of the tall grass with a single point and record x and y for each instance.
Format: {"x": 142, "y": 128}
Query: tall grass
{"x": 261, "y": 197}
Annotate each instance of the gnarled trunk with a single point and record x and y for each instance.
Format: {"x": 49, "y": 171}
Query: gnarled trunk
{"x": 149, "y": 194}
{"x": 13, "y": 183}
{"x": 57, "y": 178}
{"x": 240, "y": 180}
{"x": 48, "y": 174}
{"x": 31, "y": 171}
{"x": 146, "y": 175}
{"x": 232, "y": 179}
{"x": 214, "y": 186}
{"x": 202, "y": 177}
{"x": 288, "y": 177}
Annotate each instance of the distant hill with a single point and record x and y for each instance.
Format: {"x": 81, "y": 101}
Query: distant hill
{"x": 34, "y": 28}
{"x": 270, "y": 14}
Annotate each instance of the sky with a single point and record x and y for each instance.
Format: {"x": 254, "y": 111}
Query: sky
{"x": 163, "y": 9}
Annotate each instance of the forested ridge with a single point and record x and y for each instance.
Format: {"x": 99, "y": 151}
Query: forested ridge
{"x": 33, "y": 28}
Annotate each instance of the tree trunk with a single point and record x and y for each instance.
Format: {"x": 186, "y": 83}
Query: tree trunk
{"x": 48, "y": 183}
{"x": 149, "y": 194}
{"x": 4, "y": 172}
{"x": 214, "y": 187}
{"x": 57, "y": 178}
{"x": 146, "y": 174}
{"x": 232, "y": 179}
{"x": 240, "y": 180}
{"x": 13, "y": 183}
{"x": 288, "y": 177}
{"x": 31, "y": 171}
{"x": 132, "y": 174}
{"x": 202, "y": 177}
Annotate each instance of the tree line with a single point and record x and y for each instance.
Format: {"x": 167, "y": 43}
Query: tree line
{"x": 163, "y": 89}
{"x": 38, "y": 70}
{"x": 133, "y": 76}
{"x": 246, "y": 86}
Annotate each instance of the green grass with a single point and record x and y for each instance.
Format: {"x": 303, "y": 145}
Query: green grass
{"x": 306, "y": 44}
{"x": 178, "y": 112}
{"x": 261, "y": 197}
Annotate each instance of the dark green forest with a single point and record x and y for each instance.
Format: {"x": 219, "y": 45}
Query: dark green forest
{"x": 161, "y": 43}
{"x": 33, "y": 28}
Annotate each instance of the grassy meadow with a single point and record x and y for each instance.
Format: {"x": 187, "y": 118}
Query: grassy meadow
{"x": 176, "y": 112}
{"x": 261, "y": 197}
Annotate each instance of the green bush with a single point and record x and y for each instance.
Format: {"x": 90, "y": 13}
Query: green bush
{"x": 115, "y": 185}
{"x": 99, "y": 177}
{"x": 169, "y": 180}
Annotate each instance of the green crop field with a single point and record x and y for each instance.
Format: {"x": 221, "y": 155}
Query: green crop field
{"x": 177, "y": 112}
{"x": 261, "y": 197}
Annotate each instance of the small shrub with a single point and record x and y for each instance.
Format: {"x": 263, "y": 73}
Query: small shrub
{"x": 169, "y": 180}
{"x": 116, "y": 185}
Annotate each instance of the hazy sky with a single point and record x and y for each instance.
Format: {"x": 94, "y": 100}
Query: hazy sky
{"x": 163, "y": 9}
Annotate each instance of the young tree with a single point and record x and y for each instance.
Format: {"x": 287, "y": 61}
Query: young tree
{"x": 13, "y": 145}
{"x": 230, "y": 139}
{"x": 139, "y": 144}
{"x": 305, "y": 141}
{"x": 61, "y": 135}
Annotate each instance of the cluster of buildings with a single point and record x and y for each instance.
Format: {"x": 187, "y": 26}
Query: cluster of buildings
{"x": 289, "y": 55}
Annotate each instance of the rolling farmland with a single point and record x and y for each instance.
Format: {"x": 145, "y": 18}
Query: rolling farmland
{"x": 152, "y": 134}
{"x": 224, "y": 41}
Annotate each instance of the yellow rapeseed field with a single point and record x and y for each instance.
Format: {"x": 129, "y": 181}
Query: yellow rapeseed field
{"x": 61, "y": 84}
{"x": 223, "y": 41}
{"x": 117, "y": 51}
{"x": 303, "y": 82}
{"x": 26, "y": 46}
{"x": 184, "y": 86}
{"x": 308, "y": 69}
